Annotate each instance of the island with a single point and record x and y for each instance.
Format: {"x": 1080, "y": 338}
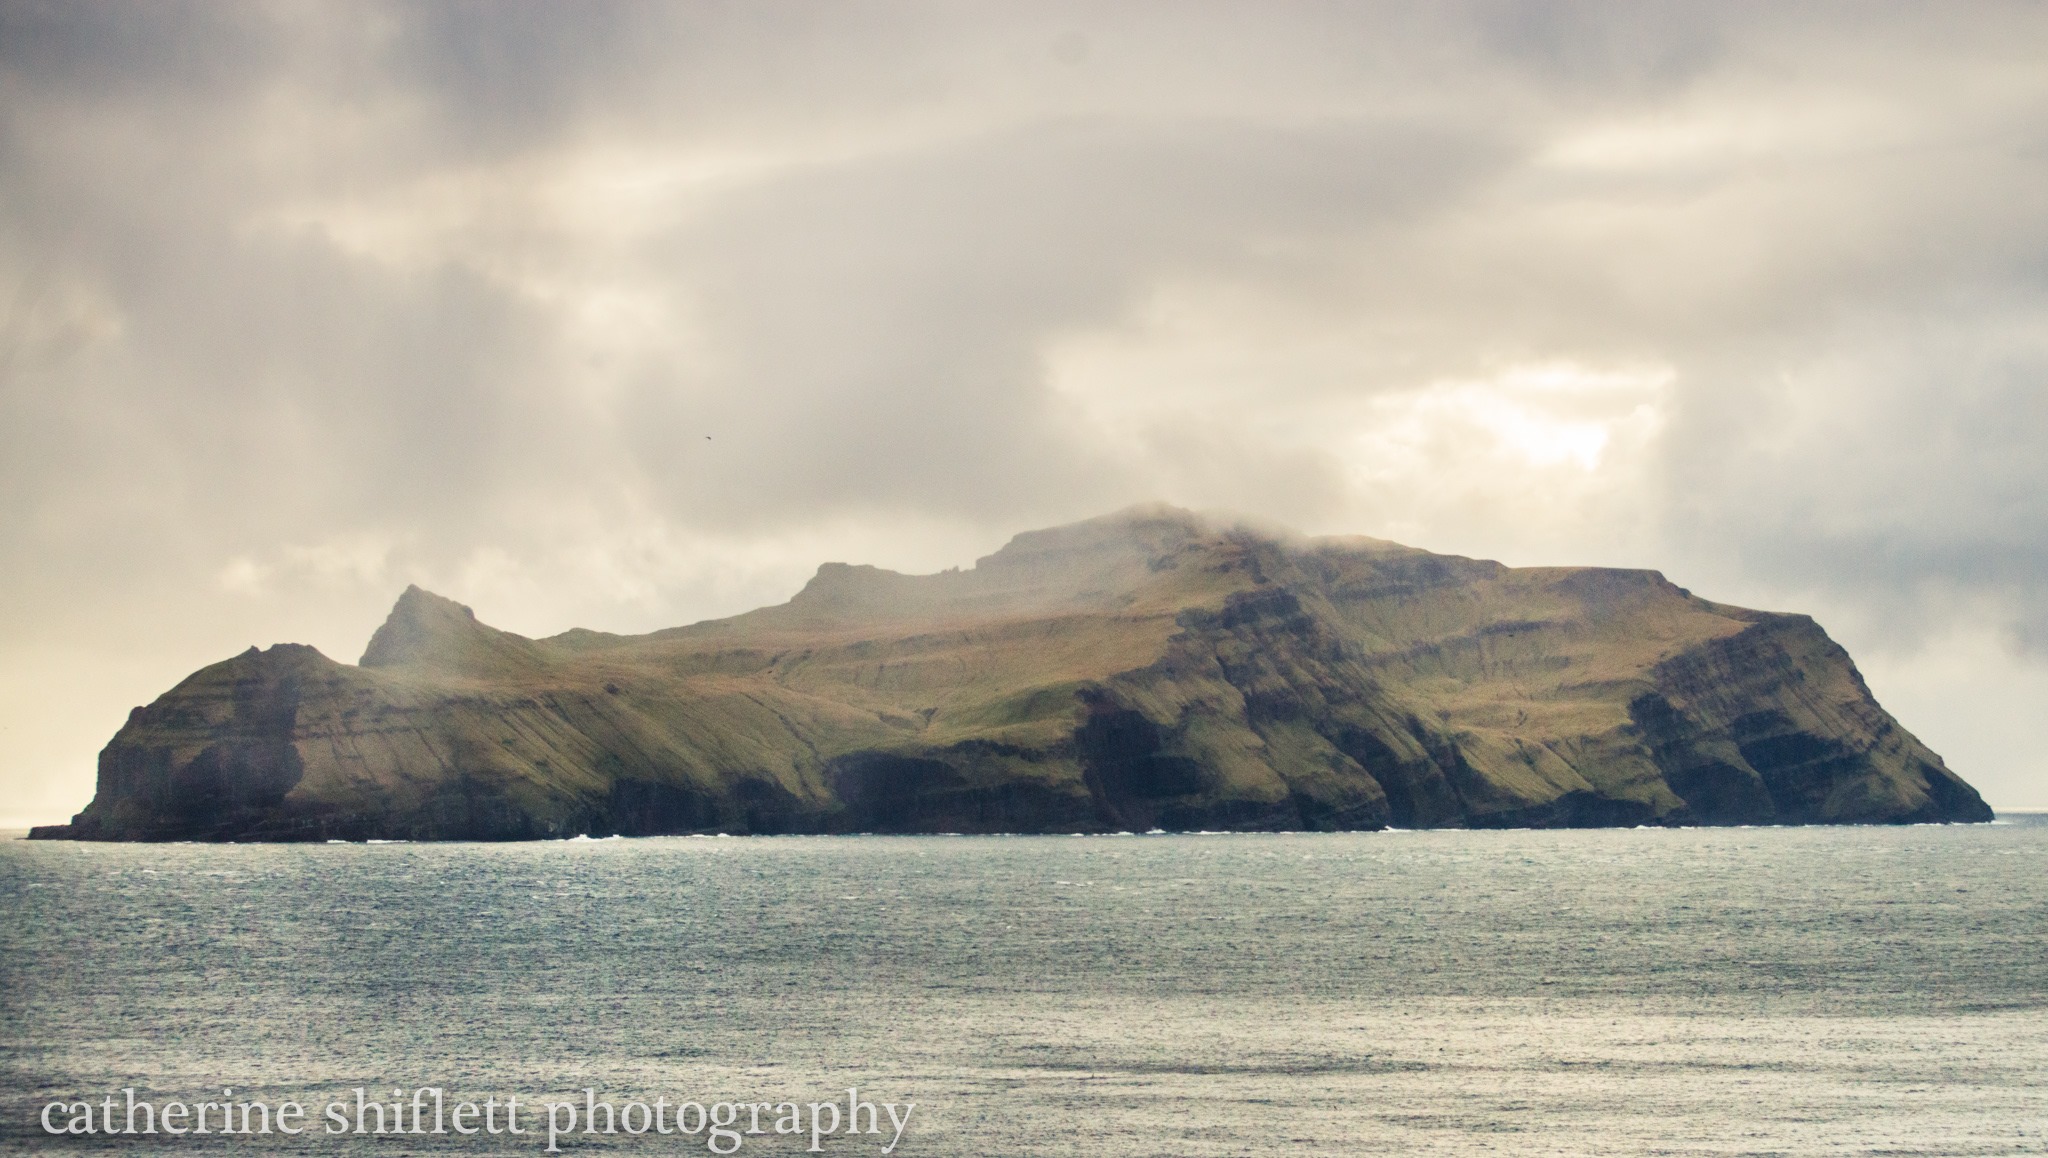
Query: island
{"x": 1154, "y": 669}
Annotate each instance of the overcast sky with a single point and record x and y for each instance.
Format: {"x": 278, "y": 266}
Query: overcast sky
{"x": 627, "y": 316}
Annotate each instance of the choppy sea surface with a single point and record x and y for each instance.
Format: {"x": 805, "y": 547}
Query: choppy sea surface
{"x": 1670, "y": 992}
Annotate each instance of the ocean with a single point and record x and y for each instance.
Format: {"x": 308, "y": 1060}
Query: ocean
{"x": 1800, "y": 991}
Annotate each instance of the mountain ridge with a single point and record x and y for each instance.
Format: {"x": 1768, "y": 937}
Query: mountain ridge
{"x": 1150, "y": 668}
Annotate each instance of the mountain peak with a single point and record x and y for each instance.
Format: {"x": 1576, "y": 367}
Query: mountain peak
{"x": 425, "y": 630}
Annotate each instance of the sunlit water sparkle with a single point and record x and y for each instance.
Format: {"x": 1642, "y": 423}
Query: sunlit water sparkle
{"x": 1734, "y": 991}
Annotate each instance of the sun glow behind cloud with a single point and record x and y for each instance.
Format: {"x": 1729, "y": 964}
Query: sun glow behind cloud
{"x": 1529, "y": 417}
{"x": 1522, "y": 459}
{"x": 1228, "y": 392}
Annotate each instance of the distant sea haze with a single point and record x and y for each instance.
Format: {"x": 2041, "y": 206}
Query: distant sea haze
{"x": 1799, "y": 991}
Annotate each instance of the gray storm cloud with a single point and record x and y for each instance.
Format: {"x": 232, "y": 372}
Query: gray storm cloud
{"x": 626, "y": 315}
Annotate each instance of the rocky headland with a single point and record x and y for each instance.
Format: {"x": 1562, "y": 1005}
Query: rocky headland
{"x": 1149, "y": 669}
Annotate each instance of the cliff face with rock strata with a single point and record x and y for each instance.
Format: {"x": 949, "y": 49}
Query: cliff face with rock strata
{"x": 1150, "y": 669}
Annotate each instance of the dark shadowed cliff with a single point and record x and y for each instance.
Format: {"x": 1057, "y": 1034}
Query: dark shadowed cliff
{"x": 1147, "y": 669}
